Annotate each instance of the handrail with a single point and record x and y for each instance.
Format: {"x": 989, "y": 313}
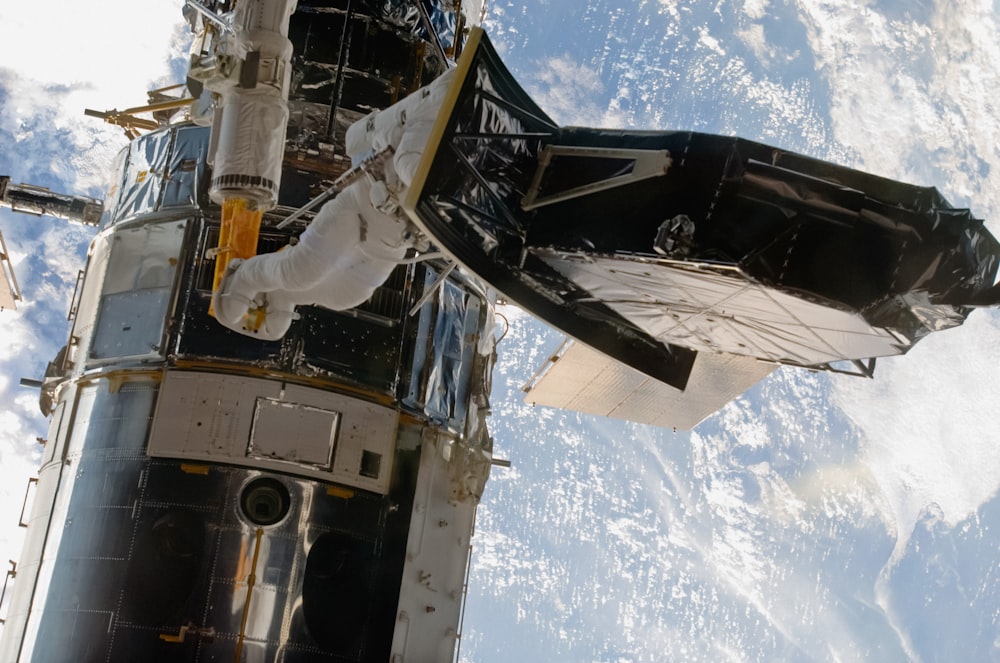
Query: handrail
{"x": 74, "y": 302}
{"x": 11, "y": 573}
{"x": 24, "y": 504}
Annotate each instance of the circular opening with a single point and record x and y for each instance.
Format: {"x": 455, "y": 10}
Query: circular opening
{"x": 337, "y": 565}
{"x": 265, "y": 501}
{"x": 164, "y": 568}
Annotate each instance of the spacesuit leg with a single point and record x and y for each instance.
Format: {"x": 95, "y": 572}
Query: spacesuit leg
{"x": 343, "y": 256}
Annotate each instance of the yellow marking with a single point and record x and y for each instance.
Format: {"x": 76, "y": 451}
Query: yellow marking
{"x": 141, "y": 177}
{"x": 246, "y": 606}
{"x": 166, "y": 637}
{"x": 191, "y": 468}
{"x": 423, "y": 170}
{"x": 237, "y": 236}
{"x": 241, "y": 566}
{"x": 254, "y": 318}
{"x": 338, "y": 491}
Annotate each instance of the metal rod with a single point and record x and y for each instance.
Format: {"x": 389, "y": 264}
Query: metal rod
{"x": 338, "y": 86}
{"x": 123, "y": 120}
{"x": 158, "y": 106}
{"x": 434, "y": 286}
{"x": 209, "y": 14}
{"x": 372, "y": 163}
{"x": 514, "y": 108}
{"x": 251, "y": 580}
{"x": 512, "y": 222}
{"x": 321, "y": 198}
{"x": 74, "y": 302}
{"x": 484, "y": 134}
{"x": 645, "y": 164}
{"x": 7, "y": 279}
{"x": 426, "y": 19}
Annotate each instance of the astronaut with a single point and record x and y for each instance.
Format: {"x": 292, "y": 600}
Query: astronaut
{"x": 353, "y": 243}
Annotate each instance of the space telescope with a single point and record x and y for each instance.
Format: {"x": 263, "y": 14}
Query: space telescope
{"x": 268, "y": 426}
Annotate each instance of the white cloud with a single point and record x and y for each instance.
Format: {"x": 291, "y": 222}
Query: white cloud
{"x": 929, "y": 420}
{"x": 706, "y": 39}
{"x": 755, "y": 9}
{"x": 75, "y": 55}
{"x": 914, "y": 98}
{"x": 568, "y": 92}
{"x": 755, "y": 39}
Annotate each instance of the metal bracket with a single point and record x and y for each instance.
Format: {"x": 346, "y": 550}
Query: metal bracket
{"x": 128, "y": 120}
{"x": 865, "y": 368}
{"x": 224, "y": 23}
{"x": 646, "y": 164}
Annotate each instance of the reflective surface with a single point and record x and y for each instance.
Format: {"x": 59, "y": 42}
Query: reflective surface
{"x": 140, "y": 548}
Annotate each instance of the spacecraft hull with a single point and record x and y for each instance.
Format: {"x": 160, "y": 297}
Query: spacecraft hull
{"x": 140, "y": 544}
{"x": 151, "y": 558}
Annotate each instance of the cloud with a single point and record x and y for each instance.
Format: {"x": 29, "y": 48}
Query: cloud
{"x": 913, "y": 96}
{"x": 64, "y": 66}
{"x": 755, "y": 39}
{"x": 755, "y": 9}
{"x": 929, "y": 423}
{"x": 572, "y": 93}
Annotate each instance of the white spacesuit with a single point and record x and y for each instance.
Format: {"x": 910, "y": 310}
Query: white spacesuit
{"x": 353, "y": 243}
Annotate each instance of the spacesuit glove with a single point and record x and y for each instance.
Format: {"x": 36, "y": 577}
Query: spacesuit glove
{"x": 382, "y": 198}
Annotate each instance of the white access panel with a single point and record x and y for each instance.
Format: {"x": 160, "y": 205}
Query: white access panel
{"x": 271, "y": 425}
{"x": 293, "y": 432}
{"x": 581, "y": 379}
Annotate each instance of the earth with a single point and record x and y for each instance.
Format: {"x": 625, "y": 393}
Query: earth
{"x": 818, "y": 517}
